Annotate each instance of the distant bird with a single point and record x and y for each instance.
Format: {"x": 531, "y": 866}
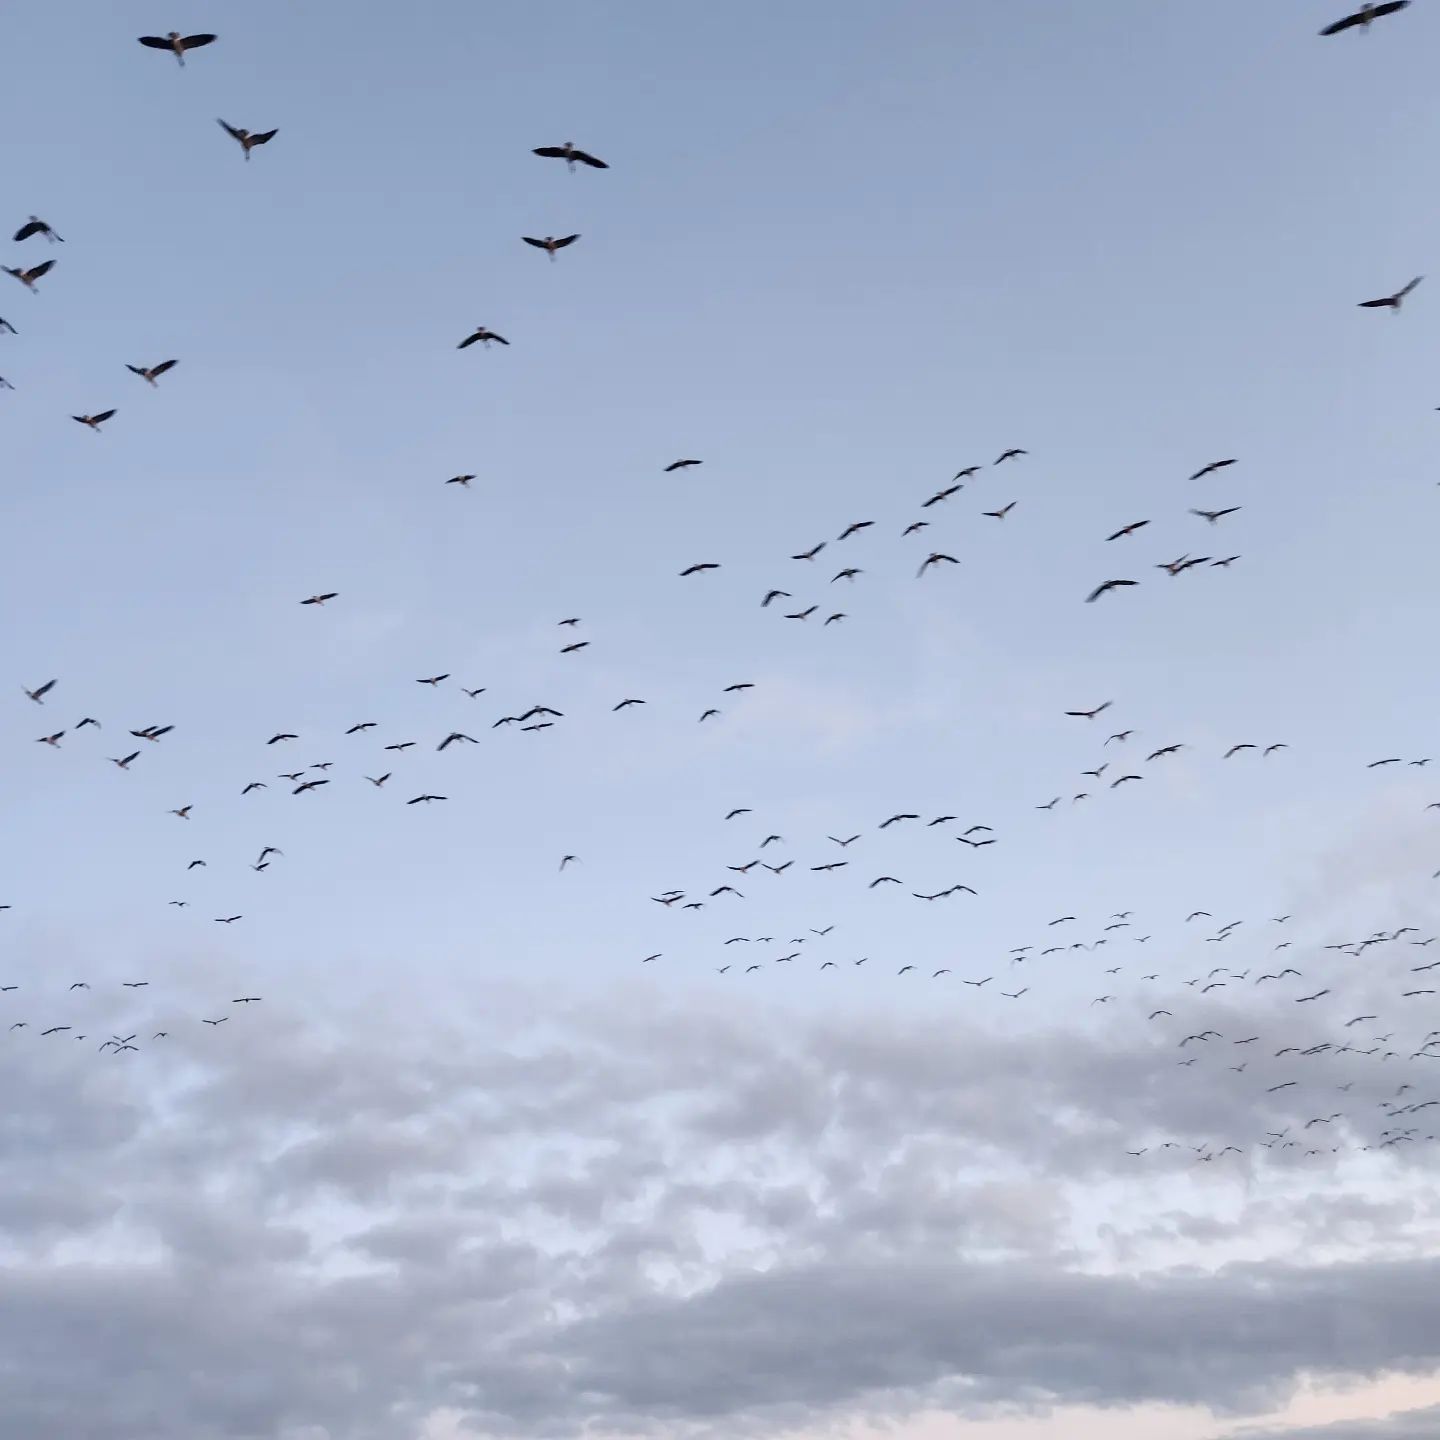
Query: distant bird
{"x": 1391, "y": 302}
{"x": 1123, "y": 779}
{"x": 1211, "y": 468}
{"x": 573, "y": 646}
{"x": 378, "y": 781}
{"x": 424, "y": 799}
{"x": 849, "y": 573}
{"x": 625, "y": 704}
{"x": 433, "y": 680}
{"x": 154, "y": 733}
{"x": 226, "y": 920}
{"x": 176, "y": 43}
{"x": 550, "y": 244}
{"x": 700, "y": 568}
{"x": 94, "y": 421}
{"x": 681, "y": 465}
{"x": 28, "y": 277}
{"x": 1010, "y": 455}
{"x": 453, "y": 736}
{"x": 1364, "y": 16}
{"x": 811, "y": 553}
{"x": 570, "y": 155}
{"x": 940, "y": 495}
{"x": 1213, "y": 515}
{"x": 247, "y": 139}
{"x": 183, "y": 812}
{"x": 36, "y": 226}
{"x": 483, "y": 336}
{"x": 305, "y": 785}
{"x": 1090, "y": 714}
{"x": 1107, "y": 585}
{"x": 775, "y": 595}
{"x": 1002, "y": 512}
{"x": 320, "y": 599}
{"x": 935, "y": 558}
{"x": 151, "y": 373}
{"x": 39, "y": 693}
{"x": 284, "y": 735}
{"x": 124, "y": 762}
{"x": 6, "y": 328}
{"x": 1129, "y": 529}
{"x": 52, "y": 740}
{"x": 854, "y": 529}
{"x": 1236, "y": 749}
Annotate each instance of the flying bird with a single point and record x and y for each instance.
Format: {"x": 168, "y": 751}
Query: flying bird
{"x": 247, "y": 139}
{"x": 321, "y": 599}
{"x": 94, "y": 421}
{"x": 681, "y": 465}
{"x": 176, "y": 43}
{"x": 570, "y": 155}
{"x": 1212, "y": 516}
{"x": 1364, "y": 16}
{"x": 36, "y": 226}
{"x": 1107, "y": 585}
{"x": 28, "y": 277}
{"x": 151, "y": 373}
{"x": 483, "y": 336}
{"x": 550, "y": 244}
{"x": 1391, "y": 302}
{"x": 1009, "y": 455}
{"x": 39, "y": 693}
{"x": 1129, "y": 529}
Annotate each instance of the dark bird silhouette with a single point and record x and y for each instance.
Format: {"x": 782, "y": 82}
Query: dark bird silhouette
{"x": 1090, "y": 714}
{"x": 94, "y": 421}
{"x": 481, "y": 335}
{"x": 680, "y": 465}
{"x": 854, "y": 529}
{"x": 811, "y": 553}
{"x": 1129, "y": 529}
{"x": 433, "y": 680}
{"x": 305, "y": 785}
{"x": 570, "y": 155}
{"x": 1010, "y": 455}
{"x": 176, "y": 43}
{"x": 247, "y": 139}
{"x": 123, "y": 762}
{"x": 151, "y": 373}
{"x": 1002, "y": 512}
{"x": 28, "y": 277}
{"x": 935, "y": 558}
{"x": 36, "y": 226}
{"x": 550, "y": 244}
{"x": 425, "y": 799}
{"x": 321, "y": 599}
{"x": 700, "y": 568}
{"x": 453, "y": 736}
{"x": 1212, "y": 516}
{"x": 1365, "y": 16}
{"x": 1123, "y": 779}
{"x": 1391, "y": 302}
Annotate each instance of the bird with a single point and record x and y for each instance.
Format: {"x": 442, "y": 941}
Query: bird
{"x": 571, "y": 155}
{"x": 483, "y": 336}
{"x": 6, "y": 328}
{"x": 700, "y": 568}
{"x": 284, "y": 735}
{"x": 1090, "y": 714}
{"x": 321, "y": 599}
{"x": 573, "y": 646}
{"x": 247, "y": 139}
{"x": 935, "y": 558}
{"x": 1211, "y": 468}
{"x": 39, "y": 693}
{"x": 176, "y": 43}
{"x": 1236, "y": 749}
{"x": 854, "y": 529}
{"x": 305, "y": 785}
{"x": 775, "y": 595}
{"x": 425, "y": 799}
{"x": 1391, "y": 302}
{"x": 36, "y": 226}
{"x": 433, "y": 680}
{"x": 151, "y": 373}
{"x": 1129, "y": 529}
{"x": 1212, "y": 516}
{"x": 1101, "y": 589}
{"x": 94, "y": 421}
{"x": 124, "y": 762}
{"x": 453, "y": 736}
{"x": 28, "y": 277}
{"x": 1364, "y": 16}
{"x": 550, "y": 244}
{"x": 1010, "y": 455}
{"x": 183, "y": 812}
{"x": 377, "y": 782}
{"x": 1002, "y": 512}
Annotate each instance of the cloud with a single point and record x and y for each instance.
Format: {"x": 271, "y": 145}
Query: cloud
{"x": 642, "y": 1222}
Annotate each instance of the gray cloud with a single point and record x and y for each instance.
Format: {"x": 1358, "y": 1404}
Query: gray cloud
{"x": 1408, "y": 1425}
{"x": 677, "y": 1221}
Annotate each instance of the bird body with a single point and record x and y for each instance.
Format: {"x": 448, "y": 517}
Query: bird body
{"x": 176, "y": 43}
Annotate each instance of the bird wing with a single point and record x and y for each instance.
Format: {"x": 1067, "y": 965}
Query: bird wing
{"x": 33, "y": 227}
{"x": 164, "y": 366}
{"x": 550, "y": 152}
{"x": 230, "y": 130}
{"x": 1403, "y": 293}
{"x": 154, "y": 42}
{"x": 264, "y": 137}
{"x": 592, "y": 161}
{"x": 43, "y": 268}
{"x": 565, "y": 240}
{"x": 538, "y": 244}
{"x": 1348, "y": 23}
{"x": 194, "y": 42}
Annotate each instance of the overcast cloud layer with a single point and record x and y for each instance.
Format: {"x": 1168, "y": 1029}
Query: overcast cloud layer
{"x": 690, "y": 1222}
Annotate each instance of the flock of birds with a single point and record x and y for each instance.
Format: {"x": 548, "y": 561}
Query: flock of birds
{"x": 1332, "y": 1056}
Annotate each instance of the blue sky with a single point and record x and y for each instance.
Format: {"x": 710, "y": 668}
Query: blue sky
{"x": 838, "y": 256}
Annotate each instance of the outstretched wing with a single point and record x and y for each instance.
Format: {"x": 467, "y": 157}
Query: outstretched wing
{"x": 194, "y": 42}
{"x": 230, "y": 130}
{"x": 155, "y": 42}
{"x": 1400, "y": 295}
{"x": 264, "y": 138}
{"x": 590, "y": 160}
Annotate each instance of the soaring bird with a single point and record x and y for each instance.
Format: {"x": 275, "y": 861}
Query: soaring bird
{"x": 176, "y": 43}
{"x": 570, "y": 155}
{"x": 1107, "y": 585}
{"x": 453, "y": 736}
{"x": 1212, "y": 516}
{"x": 935, "y": 558}
{"x": 854, "y": 529}
{"x": 94, "y": 421}
{"x": 700, "y": 568}
{"x": 483, "y": 336}
{"x": 775, "y": 595}
{"x": 305, "y": 785}
{"x": 433, "y": 680}
{"x": 1002, "y": 512}
{"x": 424, "y": 799}
{"x": 1391, "y": 302}
{"x": 551, "y": 243}
{"x": 36, "y": 226}
{"x": 154, "y": 733}
{"x": 124, "y": 762}
{"x": 1129, "y": 529}
{"x": 1211, "y": 468}
{"x": 321, "y": 598}
{"x": 1010, "y": 455}
{"x": 39, "y": 693}
{"x": 28, "y": 277}
{"x": 151, "y": 373}
{"x": 681, "y": 465}
{"x": 1363, "y": 17}
{"x": 1090, "y": 714}
{"x": 247, "y": 139}
{"x": 183, "y": 812}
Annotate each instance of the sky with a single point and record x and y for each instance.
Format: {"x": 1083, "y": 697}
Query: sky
{"x": 473, "y": 1165}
